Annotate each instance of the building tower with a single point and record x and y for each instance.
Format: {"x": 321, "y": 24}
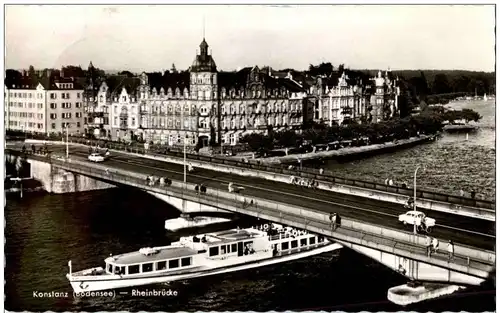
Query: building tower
{"x": 203, "y": 90}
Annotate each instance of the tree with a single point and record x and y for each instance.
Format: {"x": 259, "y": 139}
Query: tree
{"x": 212, "y": 142}
{"x": 73, "y": 71}
{"x": 441, "y": 84}
{"x": 31, "y": 72}
{"x": 287, "y": 138}
{"x": 258, "y": 142}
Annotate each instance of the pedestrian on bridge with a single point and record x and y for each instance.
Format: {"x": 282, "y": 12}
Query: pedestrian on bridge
{"x": 428, "y": 245}
{"x": 451, "y": 250}
{"x": 435, "y": 245}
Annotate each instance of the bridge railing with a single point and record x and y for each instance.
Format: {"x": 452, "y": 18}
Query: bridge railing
{"x": 304, "y": 172}
{"x": 244, "y": 204}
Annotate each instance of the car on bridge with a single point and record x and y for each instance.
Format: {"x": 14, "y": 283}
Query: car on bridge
{"x": 418, "y": 218}
{"x": 96, "y": 157}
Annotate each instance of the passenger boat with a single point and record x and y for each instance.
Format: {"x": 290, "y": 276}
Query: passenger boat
{"x": 202, "y": 255}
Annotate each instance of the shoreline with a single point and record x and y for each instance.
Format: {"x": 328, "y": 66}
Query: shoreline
{"x": 349, "y": 151}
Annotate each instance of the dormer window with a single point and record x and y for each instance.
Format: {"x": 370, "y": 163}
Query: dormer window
{"x": 124, "y": 98}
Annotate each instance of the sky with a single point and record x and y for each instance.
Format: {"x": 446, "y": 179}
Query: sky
{"x": 153, "y": 37}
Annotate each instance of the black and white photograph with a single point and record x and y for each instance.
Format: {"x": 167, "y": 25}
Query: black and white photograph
{"x": 249, "y": 157}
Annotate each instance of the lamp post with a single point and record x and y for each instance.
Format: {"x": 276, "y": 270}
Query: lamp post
{"x": 67, "y": 143}
{"x": 185, "y": 173}
{"x": 415, "y": 197}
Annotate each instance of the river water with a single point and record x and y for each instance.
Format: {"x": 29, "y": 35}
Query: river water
{"x": 44, "y": 231}
{"x": 451, "y": 162}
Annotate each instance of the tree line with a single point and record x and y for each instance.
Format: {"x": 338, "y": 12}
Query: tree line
{"x": 429, "y": 122}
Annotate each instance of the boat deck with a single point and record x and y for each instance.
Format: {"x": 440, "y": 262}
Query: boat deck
{"x": 163, "y": 254}
{"x": 232, "y": 235}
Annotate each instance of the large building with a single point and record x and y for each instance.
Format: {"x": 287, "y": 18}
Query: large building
{"x": 338, "y": 101}
{"x": 201, "y": 106}
{"x": 44, "y": 104}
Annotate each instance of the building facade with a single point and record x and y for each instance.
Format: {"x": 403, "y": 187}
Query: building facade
{"x": 199, "y": 107}
{"x": 44, "y": 105}
{"x": 341, "y": 102}
{"x": 384, "y": 101}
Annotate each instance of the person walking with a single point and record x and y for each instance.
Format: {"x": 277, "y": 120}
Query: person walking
{"x": 451, "y": 250}
{"x": 435, "y": 245}
{"x": 428, "y": 245}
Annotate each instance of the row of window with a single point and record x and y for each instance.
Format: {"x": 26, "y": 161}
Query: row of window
{"x": 66, "y": 105}
{"x": 29, "y": 105}
{"x": 149, "y": 267}
{"x": 26, "y": 95}
{"x": 26, "y": 115}
{"x": 53, "y": 116}
{"x": 64, "y": 95}
{"x": 293, "y": 244}
{"x": 27, "y": 125}
{"x": 66, "y": 125}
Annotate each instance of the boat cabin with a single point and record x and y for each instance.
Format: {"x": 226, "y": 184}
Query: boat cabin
{"x": 149, "y": 260}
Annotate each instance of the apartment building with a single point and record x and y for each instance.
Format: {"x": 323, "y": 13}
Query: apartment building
{"x": 44, "y": 105}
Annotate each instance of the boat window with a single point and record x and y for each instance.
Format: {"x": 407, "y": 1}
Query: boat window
{"x": 119, "y": 270}
{"x": 222, "y": 249}
{"x": 161, "y": 265}
{"x": 303, "y": 242}
{"x": 293, "y": 244}
{"x": 147, "y": 267}
{"x": 234, "y": 247}
{"x": 248, "y": 243}
{"x": 185, "y": 261}
{"x": 321, "y": 239}
{"x": 213, "y": 251}
{"x": 284, "y": 246}
{"x": 110, "y": 268}
{"x": 312, "y": 240}
{"x": 173, "y": 263}
{"x": 133, "y": 269}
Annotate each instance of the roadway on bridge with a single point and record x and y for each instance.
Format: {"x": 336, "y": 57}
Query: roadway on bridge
{"x": 465, "y": 230}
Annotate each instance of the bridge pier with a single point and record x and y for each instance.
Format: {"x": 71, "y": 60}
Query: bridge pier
{"x": 59, "y": 181}
{"x": 408, "y": 294}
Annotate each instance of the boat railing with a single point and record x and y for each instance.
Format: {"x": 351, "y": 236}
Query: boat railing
{"x": 283, "y": 236}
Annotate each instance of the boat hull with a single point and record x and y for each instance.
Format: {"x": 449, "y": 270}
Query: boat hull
{"x": 79, "y": 284}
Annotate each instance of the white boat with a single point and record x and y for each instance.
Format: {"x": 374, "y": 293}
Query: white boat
{"x": 202, "y": 255}
{"x": 197, "y": 221}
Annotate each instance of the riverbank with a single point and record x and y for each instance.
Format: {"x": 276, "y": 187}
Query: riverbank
{"x": 348, "y": 152}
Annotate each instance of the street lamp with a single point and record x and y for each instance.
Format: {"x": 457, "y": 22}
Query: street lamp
{"x": 185, "y": 172}
{"x": 67, "y": 141}
{"x": 415, "y": 197}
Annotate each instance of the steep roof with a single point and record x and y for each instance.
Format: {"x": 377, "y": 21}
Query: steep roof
{"x": 117, "y": 82}
{"x": 169, "y": 80}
